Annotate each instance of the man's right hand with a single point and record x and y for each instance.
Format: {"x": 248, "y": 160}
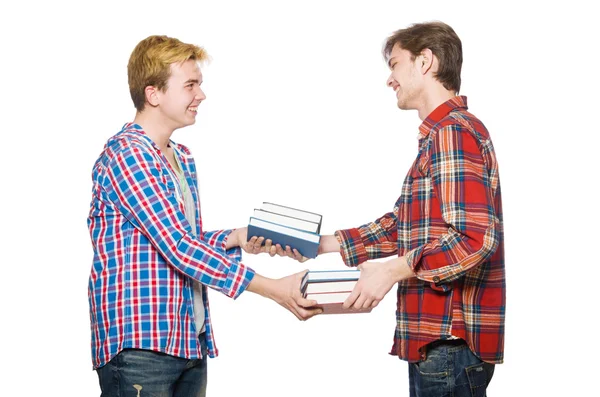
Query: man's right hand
{"x": 286, "y": 292}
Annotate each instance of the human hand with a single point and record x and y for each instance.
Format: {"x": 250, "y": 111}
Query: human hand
{"x": 255, "y": 244}
{"x": 290, "y": 253}
{"x": 286, "y": 292}
{"x": 376, "y": 280}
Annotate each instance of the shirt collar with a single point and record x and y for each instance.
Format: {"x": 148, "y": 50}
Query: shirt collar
{"x": 440, "y": 112}
{"x": 136, "y": 128}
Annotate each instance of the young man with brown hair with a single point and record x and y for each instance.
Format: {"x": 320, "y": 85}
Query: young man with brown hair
{"x": 445, "y": 229}
{"x": 150, "y": 320}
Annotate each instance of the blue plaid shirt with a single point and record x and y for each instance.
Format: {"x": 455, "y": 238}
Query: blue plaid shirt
{"x": 146, "y": 256}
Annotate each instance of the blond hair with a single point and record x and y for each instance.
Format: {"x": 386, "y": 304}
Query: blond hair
{"x": 150, "y": 64}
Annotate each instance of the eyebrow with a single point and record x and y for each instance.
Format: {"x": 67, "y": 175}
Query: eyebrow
{"x": 192, "y": 81}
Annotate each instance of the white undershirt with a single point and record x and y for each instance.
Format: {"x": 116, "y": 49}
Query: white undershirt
{"x": 190, "y": 215}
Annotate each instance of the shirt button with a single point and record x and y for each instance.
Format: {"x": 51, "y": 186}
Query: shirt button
{"x": 436, "y": 279}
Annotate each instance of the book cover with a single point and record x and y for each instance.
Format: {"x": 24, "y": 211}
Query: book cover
{"x": 294, "y": 213}
{"x": 288, "y": 221}
{"x": 305, "y": 242}
{"x": 315, "y": 276}
{"x": 332, "y": 303}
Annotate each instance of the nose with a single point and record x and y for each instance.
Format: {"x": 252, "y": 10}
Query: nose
{"x": 390, "y": 81}
{"x": 200, "y": 95}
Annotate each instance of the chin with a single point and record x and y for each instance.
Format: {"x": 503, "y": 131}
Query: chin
{"x": 403, "y": 105}
{"x": 188, "y": 122}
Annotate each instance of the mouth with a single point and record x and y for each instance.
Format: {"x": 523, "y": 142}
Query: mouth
{"x": 193, "y": 109}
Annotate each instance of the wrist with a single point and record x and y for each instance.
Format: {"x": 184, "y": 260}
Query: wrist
{"x": 262, "y": 286}
{"x": 328, "y": 243}
{"x": 233, "y": 240}
{"x": 400, "y": 269}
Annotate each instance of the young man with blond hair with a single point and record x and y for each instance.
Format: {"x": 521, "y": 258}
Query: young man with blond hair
{"x": 445, "y": 229}
{"x": 150, "y": 319}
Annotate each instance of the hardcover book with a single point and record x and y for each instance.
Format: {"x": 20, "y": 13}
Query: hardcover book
{"x": 330, "y": 289}
{"x": 287, "y": 226}
{"x": 318, "y": 276}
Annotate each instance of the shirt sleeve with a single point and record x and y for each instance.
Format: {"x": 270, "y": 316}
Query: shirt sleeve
{"x": 218, "y": 239}
{"x": 140, "y": 187}
{"x": 374, "y": 240}
{"x": 462, "y": 185}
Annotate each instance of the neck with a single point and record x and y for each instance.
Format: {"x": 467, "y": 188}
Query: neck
{"x": 435, "y": 95}
{"x": 155, "y": 127}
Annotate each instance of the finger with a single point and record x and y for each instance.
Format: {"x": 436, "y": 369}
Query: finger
{"x": 295, "y": 313}
{"x": 365, "y": 304}
{"x": 258, "y": 244}
{"x": 298, "y": 256}
{"x": 288, "y": 251}
{"x": 305, "y": 314}
{"x": 374, "y": 303}
{"x": 273, "y": 251}
{"x": 360, "y": 301}
{"x": 352, "y": 298}
{"x": 267, "y": 246}
{"x": 306, "y": 303}
{"x": 280, "y": 250}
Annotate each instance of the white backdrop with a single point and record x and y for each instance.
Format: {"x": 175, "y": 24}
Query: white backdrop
{"x": 298, "y": 113}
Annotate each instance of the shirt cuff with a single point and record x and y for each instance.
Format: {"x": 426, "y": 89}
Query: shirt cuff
{"x": 238, "y": 279}
{"x": 218, "y": 239}
{"x": 351, "y": 247}
{"x": 239, "y": 276}
{"x": 412, "y": 258}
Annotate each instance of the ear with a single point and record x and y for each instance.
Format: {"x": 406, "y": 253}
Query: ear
{"x": 151, "y": 95}
{"x": 425, "y": 60}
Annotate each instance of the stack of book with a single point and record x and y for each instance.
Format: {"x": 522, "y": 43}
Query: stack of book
{"x": 287, "y": 226}
{"x": 330, "y": 289}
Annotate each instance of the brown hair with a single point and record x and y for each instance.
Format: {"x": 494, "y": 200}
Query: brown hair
{"x": 443, "y": 42}
{"x": 150, "y": 64}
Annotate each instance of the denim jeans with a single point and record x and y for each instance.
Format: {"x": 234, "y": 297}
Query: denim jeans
{"x": 140, "y": 373}
{"x": 450, "y": 370}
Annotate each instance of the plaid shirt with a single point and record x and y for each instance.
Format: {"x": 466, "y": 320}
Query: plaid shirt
{"x": 448, "y": 224}
{"x": 146, "y": 255}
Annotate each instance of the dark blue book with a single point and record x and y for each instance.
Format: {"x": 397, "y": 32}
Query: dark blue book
{"x": 307, "y": 243}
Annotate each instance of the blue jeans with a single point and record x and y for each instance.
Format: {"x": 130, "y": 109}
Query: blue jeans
{"x": 140, "y": 373}
{"x": 450, "y": 370}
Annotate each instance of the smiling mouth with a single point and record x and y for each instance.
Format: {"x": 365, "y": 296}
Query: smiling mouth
{"x": 193, "y": 109}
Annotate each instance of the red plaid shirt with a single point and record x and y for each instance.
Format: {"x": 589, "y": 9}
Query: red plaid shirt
{"x": 448, "y": 224}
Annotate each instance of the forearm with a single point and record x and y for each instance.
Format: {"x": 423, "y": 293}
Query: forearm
{"x": 262, "y": 286}
{"x": 328, "y": 243}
